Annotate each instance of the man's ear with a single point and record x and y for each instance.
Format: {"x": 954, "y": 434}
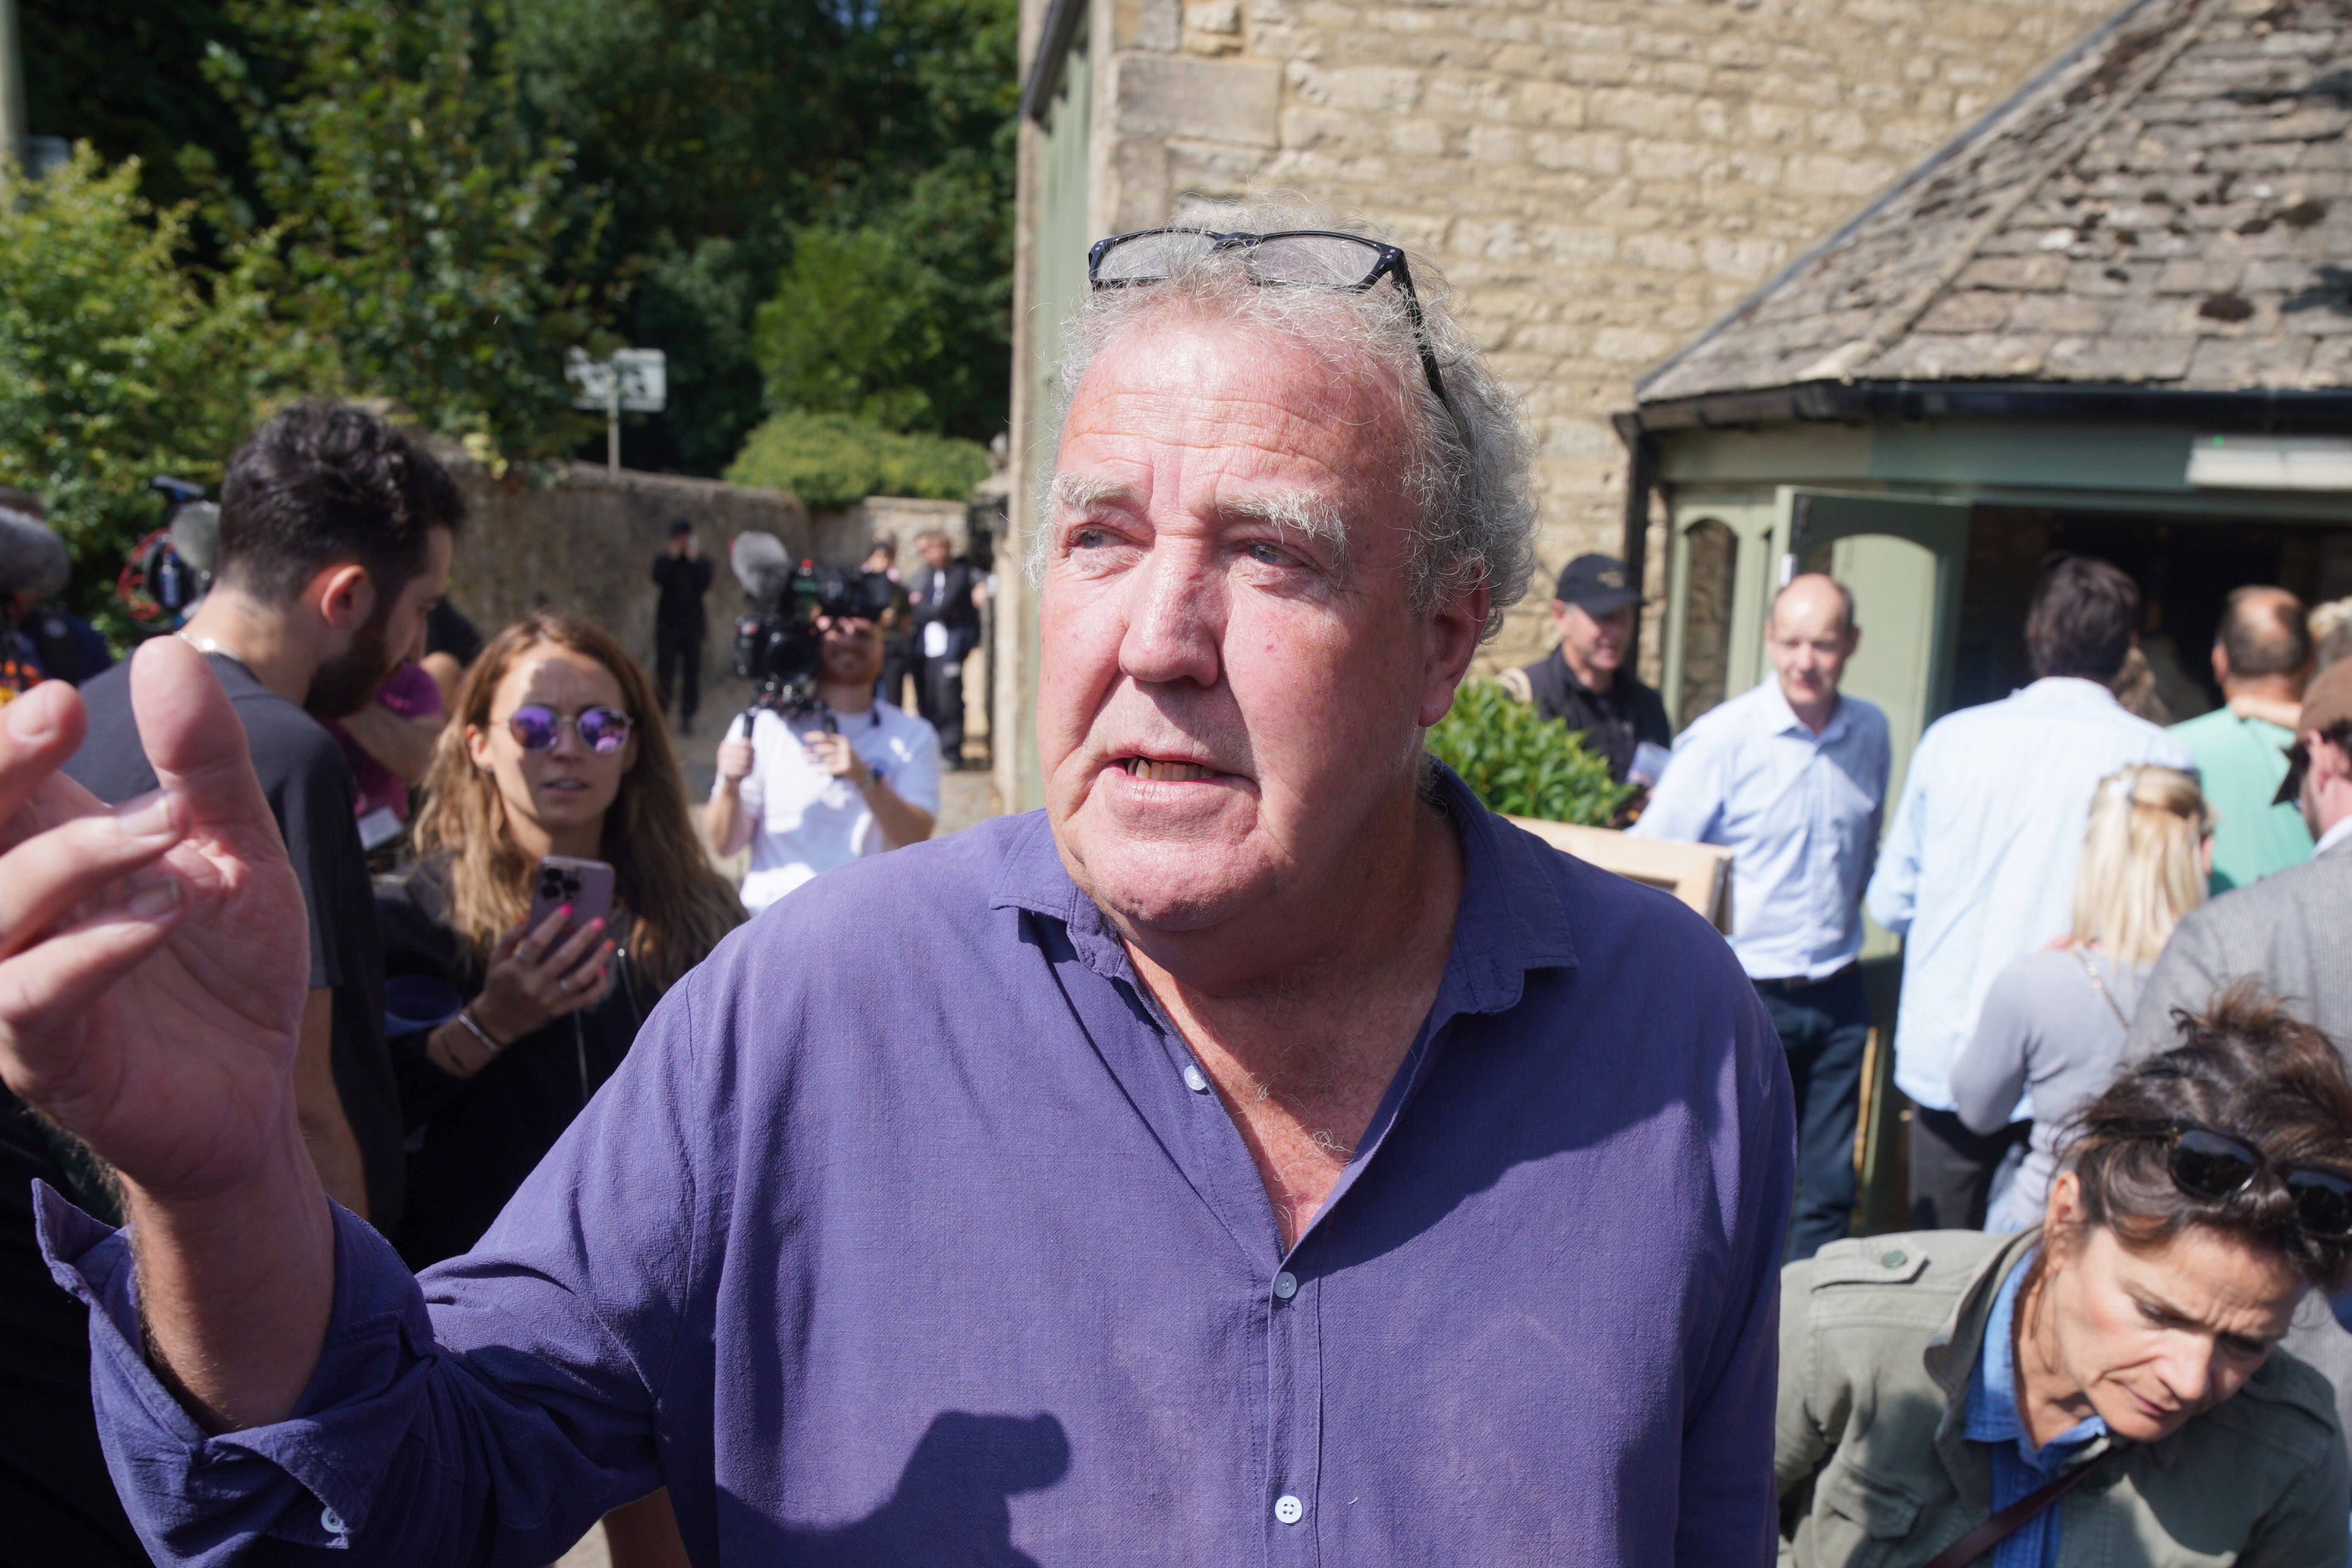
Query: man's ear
{"x": 342, "y": 594}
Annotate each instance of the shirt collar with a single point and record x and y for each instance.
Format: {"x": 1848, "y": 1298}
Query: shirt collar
{"x": 2070, "y": 690}
{"x": 1784, "y": 719}
{"x": 1992, "y": 1414}
{"x": 1510, "y": 919}
{"x": 2340, "y": 833}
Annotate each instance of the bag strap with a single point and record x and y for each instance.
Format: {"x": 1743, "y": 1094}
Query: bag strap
{"x": 2014, "y": 1517}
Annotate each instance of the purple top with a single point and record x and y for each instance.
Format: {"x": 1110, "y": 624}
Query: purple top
{"x": 902, "y": 1237}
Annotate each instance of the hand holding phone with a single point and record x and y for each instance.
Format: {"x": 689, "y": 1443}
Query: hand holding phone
{"x": 559, "y": 959}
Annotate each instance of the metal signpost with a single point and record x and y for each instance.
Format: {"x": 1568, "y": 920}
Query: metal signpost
{"x": 632, "y": 378}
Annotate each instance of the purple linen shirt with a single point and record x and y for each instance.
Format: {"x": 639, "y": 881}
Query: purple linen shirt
{"x": 904, "y": 1235}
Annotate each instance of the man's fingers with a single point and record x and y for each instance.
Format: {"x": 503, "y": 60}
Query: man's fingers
{"x": 194, "y": 738}
{"x": 45, "y": 877}
{"x": 47, "y": 986}
{"x": 38, "y": 732}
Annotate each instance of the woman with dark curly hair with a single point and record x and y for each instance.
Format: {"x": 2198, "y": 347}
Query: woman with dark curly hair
{"x": 2105, "y": 1387}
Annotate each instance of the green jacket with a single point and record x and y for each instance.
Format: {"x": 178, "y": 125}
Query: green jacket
{"x": 1878, "y": 1338}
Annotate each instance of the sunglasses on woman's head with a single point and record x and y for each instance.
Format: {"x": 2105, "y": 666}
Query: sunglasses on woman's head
{"x": 2215, "y": 1166}
{"x": 536, "y": 727}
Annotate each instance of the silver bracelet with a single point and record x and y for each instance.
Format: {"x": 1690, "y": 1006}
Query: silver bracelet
{"x": 466, "y": 1017}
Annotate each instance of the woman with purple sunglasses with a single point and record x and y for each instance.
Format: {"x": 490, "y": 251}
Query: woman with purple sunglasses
{"x": 500, "y": 1032}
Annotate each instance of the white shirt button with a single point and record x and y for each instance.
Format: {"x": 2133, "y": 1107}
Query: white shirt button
{"x": 1289, "y": 1509}
{"x": 332, "y": 1522}
{"x": 1285, "y": 1285}
{"x": 1196, "y": 1079}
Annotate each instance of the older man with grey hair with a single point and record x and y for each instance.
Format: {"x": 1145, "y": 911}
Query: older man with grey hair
{"x": 1263, "y": 1154}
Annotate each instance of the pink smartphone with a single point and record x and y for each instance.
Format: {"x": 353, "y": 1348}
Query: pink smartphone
{"x": 585, "y": 885}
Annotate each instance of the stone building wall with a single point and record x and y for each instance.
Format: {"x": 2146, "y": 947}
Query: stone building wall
{"x": 588, "y": 541}
{"x": 1598, "y": 179}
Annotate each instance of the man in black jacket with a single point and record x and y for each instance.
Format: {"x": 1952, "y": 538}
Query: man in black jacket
{"x": 944, "y": 597}
{"x": 683, "y": 574}
{"x": 1584, "y": 682}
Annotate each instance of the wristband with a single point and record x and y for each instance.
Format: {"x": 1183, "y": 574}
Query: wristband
{"x": 466, "y": 1017}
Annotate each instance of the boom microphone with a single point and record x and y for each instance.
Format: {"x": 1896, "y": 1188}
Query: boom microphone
{"x": 760, "y": 563}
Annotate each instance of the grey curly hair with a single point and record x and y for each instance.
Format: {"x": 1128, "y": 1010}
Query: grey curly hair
{"x": 1469, "y": 469}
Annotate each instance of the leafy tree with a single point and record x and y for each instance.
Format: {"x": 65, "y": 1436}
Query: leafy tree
{"x": 1522, "y": 764}
{"x": 422, "y": 231}
{"x": 117, "y": 362}
{"x": 835, "y": 460}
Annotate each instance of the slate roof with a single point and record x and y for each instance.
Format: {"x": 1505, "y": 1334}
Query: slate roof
{"x": 2168, "y": 207}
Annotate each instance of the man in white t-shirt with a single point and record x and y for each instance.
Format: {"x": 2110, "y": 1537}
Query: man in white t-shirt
{"x": 861, "y": 775}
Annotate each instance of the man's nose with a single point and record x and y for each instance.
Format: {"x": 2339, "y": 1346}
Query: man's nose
{"x": 1175, "y": 618}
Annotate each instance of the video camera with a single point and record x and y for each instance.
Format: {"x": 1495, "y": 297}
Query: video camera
{"x": 171, "y": 568}
{"x": 777, "y": 643}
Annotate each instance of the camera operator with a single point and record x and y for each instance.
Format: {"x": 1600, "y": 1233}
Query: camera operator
{"x": 815, "y": 789}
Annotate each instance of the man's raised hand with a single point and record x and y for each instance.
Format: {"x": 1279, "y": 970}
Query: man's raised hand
{"x": 154, "y": 958}
{"x": 153, "y": 963}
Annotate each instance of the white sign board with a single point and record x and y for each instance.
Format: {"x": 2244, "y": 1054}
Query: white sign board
{"x": 2270, "y": 462}
{"x": 643, "y": 377}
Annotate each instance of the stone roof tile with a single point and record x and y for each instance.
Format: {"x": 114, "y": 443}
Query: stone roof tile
{"x": 2169, "y": 204}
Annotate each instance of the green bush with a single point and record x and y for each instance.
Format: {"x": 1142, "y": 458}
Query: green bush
{"x": 1522, "y": 764}
{"x": 833, "y": 460}
{"x": 118, "y": 363}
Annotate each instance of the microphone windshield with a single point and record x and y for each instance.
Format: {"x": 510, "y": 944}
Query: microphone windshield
{"x": 760, "y": 563}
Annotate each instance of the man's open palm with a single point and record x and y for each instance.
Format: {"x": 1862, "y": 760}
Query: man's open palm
{"x": 153, "y": 964}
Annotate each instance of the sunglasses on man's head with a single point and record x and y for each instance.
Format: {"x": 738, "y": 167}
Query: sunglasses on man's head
{"x": 1297, "y": 258}
{"x": 2216, "y": 1165}
{"x": 536, "y": 727}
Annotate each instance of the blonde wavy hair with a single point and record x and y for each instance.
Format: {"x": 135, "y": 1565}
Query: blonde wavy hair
{"x": 2139, "y": 873}
{"x": 679, "y": 906}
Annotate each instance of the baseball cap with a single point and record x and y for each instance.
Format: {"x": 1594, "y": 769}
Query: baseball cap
{"x": 1596, "y": 584}
{"x": 2326, "y": 703}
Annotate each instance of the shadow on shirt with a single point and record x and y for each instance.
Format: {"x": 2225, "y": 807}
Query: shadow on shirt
{"x": 952, "y": 1504}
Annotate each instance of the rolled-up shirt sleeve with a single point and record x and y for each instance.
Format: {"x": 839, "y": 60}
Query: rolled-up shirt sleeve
{"x": 1688, "y": 801}
{"x": 485, "y": 1414}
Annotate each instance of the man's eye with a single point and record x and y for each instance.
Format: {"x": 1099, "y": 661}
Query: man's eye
{"x": 1271, "y": 555}
{"x": 1088, "y": 539}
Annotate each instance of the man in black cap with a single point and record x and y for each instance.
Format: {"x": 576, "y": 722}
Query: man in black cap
{"x": 1584, "y": 682}
{"x": 683, "y": 574}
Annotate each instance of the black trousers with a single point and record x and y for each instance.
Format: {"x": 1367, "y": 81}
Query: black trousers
{"x": 939, "y": 691}
{"x": 1952, "y": 1169}
{"x": 896, "y": 660}
{"x": 678, "y": 651}
{"x": 1823, "y": 1029}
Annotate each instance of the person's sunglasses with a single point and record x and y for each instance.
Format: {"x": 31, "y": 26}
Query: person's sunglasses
{"x": 536, "y": 727}
{"x": 1297, "y": 258}
{"x": 2216, "y": 1165}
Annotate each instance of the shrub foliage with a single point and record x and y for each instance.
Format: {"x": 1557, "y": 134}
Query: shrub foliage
{"x": 835, "y": 460}
{"x": 1522, "y": 764}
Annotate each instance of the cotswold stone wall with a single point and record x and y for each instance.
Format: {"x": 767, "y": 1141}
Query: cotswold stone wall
{"x": 587, "y": 542}
{"x": 1597, "y": 179}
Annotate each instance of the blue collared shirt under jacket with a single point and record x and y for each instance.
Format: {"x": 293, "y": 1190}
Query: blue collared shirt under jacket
{"x": 1978, "y": 863}
{"x": 1799, "y": 812}
{"x": 909, "y": 1233}
{"x": 2019, "y": 1469}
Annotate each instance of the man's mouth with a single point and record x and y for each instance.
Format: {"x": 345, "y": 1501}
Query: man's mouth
{"x": 1165, "y": 772}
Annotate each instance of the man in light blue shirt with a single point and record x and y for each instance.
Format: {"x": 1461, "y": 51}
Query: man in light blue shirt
{"x": 1978, "y": 866}
{"x": 1791, "y": 778}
